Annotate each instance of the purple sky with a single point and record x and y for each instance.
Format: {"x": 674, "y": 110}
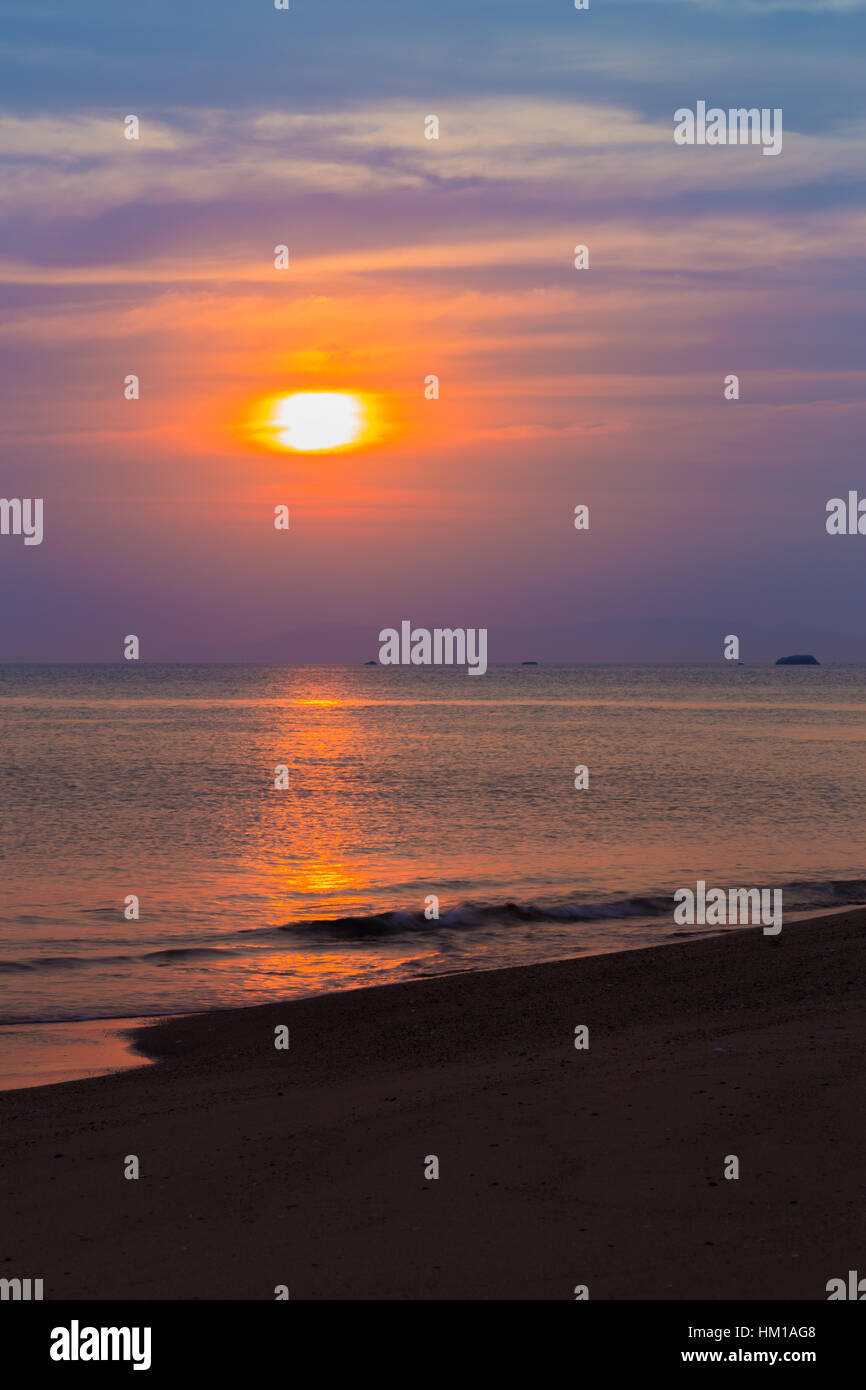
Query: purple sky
{"x": 412, "y": 257}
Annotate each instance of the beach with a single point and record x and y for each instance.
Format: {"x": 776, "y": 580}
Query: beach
{"x": 559, "y": 1167}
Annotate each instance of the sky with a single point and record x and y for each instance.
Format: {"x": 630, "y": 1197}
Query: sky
{"x": 412, "y": 257}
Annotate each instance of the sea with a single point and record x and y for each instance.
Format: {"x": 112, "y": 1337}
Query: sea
{"x": 184, "y": 838}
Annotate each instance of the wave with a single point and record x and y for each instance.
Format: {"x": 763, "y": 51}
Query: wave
{"x": 799, "y": 896}
{"x": 8, "y": 967}
{"x": 469, "y": 915}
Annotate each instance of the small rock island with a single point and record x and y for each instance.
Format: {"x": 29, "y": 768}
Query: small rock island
{"x": 798, "y": 661}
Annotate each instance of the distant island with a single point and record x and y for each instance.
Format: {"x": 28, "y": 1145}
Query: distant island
{"x": 529, "y": 663}
{"x": 798, "y": 661}
{"x": 371, "y": 663}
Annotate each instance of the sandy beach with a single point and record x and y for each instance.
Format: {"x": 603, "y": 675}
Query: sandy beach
{"x": 559, "y": 1167}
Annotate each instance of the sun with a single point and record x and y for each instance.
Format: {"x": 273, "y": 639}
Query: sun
{"x": 317, "y": 422}
{"x": 310, "y": 421}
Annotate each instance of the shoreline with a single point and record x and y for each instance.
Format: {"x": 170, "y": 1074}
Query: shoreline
{"x": 103, "y": 1043}
{"x": 558, "y": 1167}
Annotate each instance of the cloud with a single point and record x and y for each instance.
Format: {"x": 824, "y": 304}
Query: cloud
{"x": 559, "y": 148}
{"x": 57, "y": 140}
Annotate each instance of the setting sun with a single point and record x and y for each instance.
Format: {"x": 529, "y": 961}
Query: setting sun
{"x": 312, "y": 420}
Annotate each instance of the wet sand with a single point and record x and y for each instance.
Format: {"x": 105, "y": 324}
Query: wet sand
{"x": 558, "y": 1167}
{"x": 45, "y": 1053}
